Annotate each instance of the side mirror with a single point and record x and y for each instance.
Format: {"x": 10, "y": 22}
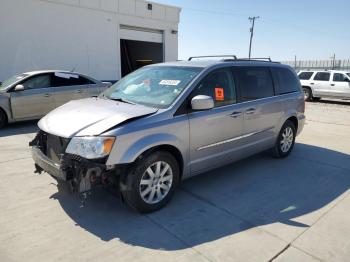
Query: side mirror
{"x": 202, "y": 102}
{"x": 19, "y": 88}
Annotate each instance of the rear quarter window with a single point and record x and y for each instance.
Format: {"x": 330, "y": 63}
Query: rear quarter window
{"x": 305, "y": 75}
{"x": 287, "y": 82}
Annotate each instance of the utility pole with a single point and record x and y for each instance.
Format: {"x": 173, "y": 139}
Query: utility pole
{"x": 333, "y": 61}
{"x": 295, "y": 62}
{"x": 252, "y": 32}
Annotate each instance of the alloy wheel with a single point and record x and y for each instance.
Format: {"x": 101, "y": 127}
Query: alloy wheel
{"x": 287, "y": 139}
{"x": 156, "y": 182}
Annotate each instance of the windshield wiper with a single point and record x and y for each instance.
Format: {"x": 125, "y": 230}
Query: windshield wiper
{"x": 122, "y": 100}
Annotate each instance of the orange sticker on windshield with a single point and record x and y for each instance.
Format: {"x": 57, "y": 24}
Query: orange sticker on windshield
{"x": 219, "y": 94}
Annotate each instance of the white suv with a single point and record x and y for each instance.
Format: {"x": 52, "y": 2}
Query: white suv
{"x": 328, "y": 83}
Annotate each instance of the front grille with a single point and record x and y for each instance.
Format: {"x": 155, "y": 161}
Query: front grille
{"x": 52, "y": 146}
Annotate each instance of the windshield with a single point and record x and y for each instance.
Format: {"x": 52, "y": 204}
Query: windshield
{"x": 348, "y": 74}
{"x": 155, "y": 86}
{"x": 11, "y": 80}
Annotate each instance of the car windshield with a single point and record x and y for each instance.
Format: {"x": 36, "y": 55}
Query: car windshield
{"x": 348, "y": 74}
{"x": 155, "y": 86}
{"x": 11, "y": 80}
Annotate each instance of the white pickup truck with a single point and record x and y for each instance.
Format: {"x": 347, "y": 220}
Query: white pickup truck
{"x": 327, "y": 83}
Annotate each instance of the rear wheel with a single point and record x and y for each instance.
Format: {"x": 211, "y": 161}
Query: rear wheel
{"x": 307, "y": 94}
{"x": 3, "y": 118}
{"x": 151, "y": 182}
{"x": 285, "y": 141}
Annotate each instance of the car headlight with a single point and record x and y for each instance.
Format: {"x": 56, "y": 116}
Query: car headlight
{"x": 90, "y": 147}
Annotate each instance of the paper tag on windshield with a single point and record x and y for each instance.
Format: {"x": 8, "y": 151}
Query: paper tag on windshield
{"x": 170, "y": 82}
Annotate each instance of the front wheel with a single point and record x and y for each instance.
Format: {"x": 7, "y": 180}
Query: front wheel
{"x": 285, "y": 141}
{"x": 151, "y": 183}
{"x": 3, "y": 119}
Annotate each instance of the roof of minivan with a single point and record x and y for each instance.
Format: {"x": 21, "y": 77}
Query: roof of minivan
{"x": 208, "y": 63}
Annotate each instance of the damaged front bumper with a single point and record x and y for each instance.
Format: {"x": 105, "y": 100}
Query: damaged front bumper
{"x": 48, "y": 153}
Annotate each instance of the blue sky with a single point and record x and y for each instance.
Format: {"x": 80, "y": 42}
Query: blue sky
{"x": 309, "y": 29}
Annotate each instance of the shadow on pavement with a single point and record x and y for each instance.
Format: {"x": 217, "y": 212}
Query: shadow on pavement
{"x": 19, "y": 128}
{"x": 256, "y": 191}
{"x": 334, "y": 102}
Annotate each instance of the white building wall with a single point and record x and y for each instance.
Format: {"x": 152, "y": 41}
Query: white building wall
{"x": 76, "y": 34}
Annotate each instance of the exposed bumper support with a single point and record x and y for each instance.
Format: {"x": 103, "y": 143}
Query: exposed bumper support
{"x": 47, "y": 164}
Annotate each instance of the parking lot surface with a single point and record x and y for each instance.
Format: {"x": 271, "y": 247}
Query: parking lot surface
{"x": 258, "y": 209}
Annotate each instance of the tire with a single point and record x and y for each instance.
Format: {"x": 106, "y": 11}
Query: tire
{"x": 3, "y": 119}
{"x": 307, "y": 94}
{"x": 139, "y": 195}
{"x": 285, "y": 141}
{"x": 316, "y": 99}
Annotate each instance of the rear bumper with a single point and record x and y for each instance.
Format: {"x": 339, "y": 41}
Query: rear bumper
{"x": 47, "y": 164}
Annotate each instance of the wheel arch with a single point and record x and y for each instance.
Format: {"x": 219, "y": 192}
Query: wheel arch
{"x": 294, "y": 120}
{"x": 174, "y": 151}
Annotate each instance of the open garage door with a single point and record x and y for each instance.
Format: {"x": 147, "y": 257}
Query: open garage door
{"x": 139, "y": 47}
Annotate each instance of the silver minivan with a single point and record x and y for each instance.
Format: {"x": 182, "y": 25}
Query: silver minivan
{"x": 170, "y": 121}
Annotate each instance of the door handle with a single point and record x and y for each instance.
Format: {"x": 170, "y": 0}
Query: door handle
{"x": 78, "y": 91}
{"x": 235, "y": 114}
{"x": 312, "y": 83}
{"x": 250, "y": 111}
{"x": 47, "y": 95}
{"x": 332, "y": 84}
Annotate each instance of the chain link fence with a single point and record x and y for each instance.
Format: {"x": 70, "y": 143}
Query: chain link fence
{"x": 319, "y": 64}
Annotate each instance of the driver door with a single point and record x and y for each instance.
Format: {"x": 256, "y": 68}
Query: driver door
{"x": 35, "y": 100}
{"x": 215, "y": 133}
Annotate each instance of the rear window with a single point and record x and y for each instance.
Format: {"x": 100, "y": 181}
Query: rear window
{"x": 287, "y": 82}
{"x": 322, "y": 76}
{"x": 254, "y": 83}
{"x": 66, "y": 79}
{"x": 305, "y": 75}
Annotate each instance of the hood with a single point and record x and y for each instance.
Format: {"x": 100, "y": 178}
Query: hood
{"x": 90, "y": 117}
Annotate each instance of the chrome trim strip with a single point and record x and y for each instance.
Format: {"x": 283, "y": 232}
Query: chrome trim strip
{"x": 233, "y": 139}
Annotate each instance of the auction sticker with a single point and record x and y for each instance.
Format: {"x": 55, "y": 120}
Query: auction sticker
{"x": 170, "y": 82}
{"x": 219, "y": 94}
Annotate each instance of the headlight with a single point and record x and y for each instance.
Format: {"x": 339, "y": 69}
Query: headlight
{"x": 90, "y": 147}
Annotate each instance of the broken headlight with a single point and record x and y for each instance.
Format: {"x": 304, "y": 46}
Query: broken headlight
{"x": 90, "y": 147}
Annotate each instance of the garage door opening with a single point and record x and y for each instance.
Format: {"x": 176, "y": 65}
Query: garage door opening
{"x": 135, "y": 54}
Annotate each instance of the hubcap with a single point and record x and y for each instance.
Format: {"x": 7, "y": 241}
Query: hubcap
{"x": 287, "y": 139}
{"x": 306, "y": 94}
{"x": 156, "y": 182}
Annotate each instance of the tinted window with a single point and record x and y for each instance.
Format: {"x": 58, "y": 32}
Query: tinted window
{"x": 305, "y": 75}
{"x": 39, "y": 81}
{"x": 254, "y": 83}
{"x": 322, "y": 76}
{"x": 65, "y": 79}
{"x": 219, "y": 85}
{"x": 337, "y": 77}
{"x": 287, "y": 81}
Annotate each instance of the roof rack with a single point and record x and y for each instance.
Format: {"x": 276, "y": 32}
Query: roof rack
{"x": 208, "y": 56}
{"x": 256, "y": 58}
